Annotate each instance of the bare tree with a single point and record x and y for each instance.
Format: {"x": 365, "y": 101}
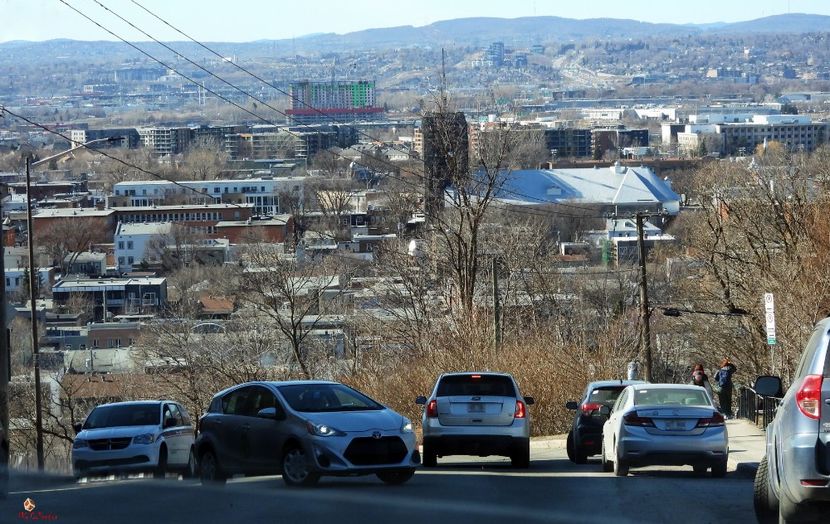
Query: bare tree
{"x": 205, "y": 159}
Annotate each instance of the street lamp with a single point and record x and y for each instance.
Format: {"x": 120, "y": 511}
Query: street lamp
{"x": 32, "y": 276}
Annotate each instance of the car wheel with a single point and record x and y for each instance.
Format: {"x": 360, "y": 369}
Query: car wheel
{"x": 620, "y": 466}
{"x": 580, "y": 456}
{"x": 192, "y": 468}
{"x": 520, "y": 458}
{"x": 570, "y": 446}
{"x": 396, "y": 476}
{"x": 161, "y": 468}
{"x": 700, "y": 469}
{"x": 763, "y": 499}
{"x": 719, "y": 470}
{"x": 209, "y": 471}
{"x": 607, "y": 465}
{"x": 295, "y": 470}
{"x": 430, "y": 458}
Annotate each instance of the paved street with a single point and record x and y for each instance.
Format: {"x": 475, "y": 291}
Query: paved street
{"x": 464, "y": 490}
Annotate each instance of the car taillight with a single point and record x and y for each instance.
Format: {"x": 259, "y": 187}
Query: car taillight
{"x": 589, "y": 407}
{"x": 521, "y": 412}
{"x": 808, "y": 396}
{"x": 432, "y": 408}
{"x": 633, "y": 420}
{"x": 715, "y": 420}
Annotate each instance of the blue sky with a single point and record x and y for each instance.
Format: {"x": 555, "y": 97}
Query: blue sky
{"x": 246, "y": 20}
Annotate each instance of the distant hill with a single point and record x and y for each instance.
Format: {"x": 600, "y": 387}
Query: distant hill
{"x": 462, "y": 31}
{"x": 552, "y": 28}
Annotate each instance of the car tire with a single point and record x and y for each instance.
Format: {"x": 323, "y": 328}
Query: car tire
{"x": 607, "y": 465}
{"x": 764, "y": 500}
{"x": 620, "y": 466}
{"x": 700, "y": 469}
{"x": 295, "y": 470}
{"x": 719, "y": 470}
{"x": 210, "y": 473}
{"x": 161, "y": 468}
{"x": 580, "y": 456}
{"x": 430, "y": 457}
{"x": 191, "y": 470}
{"x": 396, "y": 477}
{"x": 570, "y": 447}
{"x": 520, "y": 458}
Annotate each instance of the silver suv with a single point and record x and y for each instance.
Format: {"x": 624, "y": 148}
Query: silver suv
{"x": 476, "y": 413}
{"x": 792, "y": 483}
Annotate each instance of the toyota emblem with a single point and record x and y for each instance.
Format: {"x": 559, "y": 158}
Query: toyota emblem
{"x": 376, "y": 434}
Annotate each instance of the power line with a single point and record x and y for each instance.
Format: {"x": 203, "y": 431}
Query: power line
{"x": 111, "y": 157}
{"x": 246, "y": 110}
{"x": 278, "y": 89}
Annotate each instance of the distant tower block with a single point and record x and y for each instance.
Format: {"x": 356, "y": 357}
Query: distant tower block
{"x": 446, "y": 154}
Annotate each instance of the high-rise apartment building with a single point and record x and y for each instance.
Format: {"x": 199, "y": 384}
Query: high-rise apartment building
{"x": 327, "y": 102}
{"x": 446, "y": 154}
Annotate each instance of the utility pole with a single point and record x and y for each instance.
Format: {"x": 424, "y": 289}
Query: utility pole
{"x": 645, "y": 313}
{"x": 33, "y": 298}
{"x": 496, "y": 306}
{"x": 5, "y": 357}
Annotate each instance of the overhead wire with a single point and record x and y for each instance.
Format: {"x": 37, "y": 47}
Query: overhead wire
{"x": 297, "y": 99}
{"x": 512, "y": 209}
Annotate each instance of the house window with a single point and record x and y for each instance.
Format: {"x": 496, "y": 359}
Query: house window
{"x": 129, "y": 244}
{"x": 130, "y": 260}
{"x": 262, "y": 188}
{"x": 120, "y": 261}
{"x": 120, "y": 244}
{"x": 216, "y": 190}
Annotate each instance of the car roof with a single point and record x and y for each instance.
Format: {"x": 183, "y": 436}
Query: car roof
{"x": 274, "y": 383}
{"x": 468, "y": 373}
{"x": 647, "y": 385}
{"x": 134, "y": 402}
{"x": 605, "y": 383}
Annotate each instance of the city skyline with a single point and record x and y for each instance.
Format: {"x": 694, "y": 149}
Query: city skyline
{"x": 217, "y": 21}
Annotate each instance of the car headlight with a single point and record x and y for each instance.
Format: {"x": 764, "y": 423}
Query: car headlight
{"x": 406, "y": 427}
{"x": 146, "y": 438}
{"x": 323, "y": 430}
{"x": 79, "y": 443}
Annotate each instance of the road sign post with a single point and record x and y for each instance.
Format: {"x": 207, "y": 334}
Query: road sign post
{"x": 769, "y": 313}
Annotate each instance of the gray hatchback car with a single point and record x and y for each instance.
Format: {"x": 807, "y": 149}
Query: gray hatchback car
{"x": 792, "y": 483}
{"x": 476, "y": 413}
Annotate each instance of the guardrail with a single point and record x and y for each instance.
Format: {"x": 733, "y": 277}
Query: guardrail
{"x": 760, "y": 409}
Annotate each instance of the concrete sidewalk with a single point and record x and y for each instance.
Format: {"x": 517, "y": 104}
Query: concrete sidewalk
{"x": 747, "y": 446}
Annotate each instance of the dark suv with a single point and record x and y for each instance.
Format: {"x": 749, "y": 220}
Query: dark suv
{"x": 585, "y": 437}
{"x": 792, "y": 483}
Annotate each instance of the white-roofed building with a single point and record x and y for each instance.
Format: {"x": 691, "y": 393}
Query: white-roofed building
{"x": 137, "y": 243}
{"x": 615, "y": 189}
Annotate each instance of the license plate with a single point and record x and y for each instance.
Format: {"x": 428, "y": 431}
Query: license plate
{"x": 676, "y": 425}
{"x": 475, "y": 408}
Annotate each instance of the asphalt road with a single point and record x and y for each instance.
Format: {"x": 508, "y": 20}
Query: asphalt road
{"x": 458, "y": 491}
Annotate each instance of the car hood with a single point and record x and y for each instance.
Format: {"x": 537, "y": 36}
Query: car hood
{"x": 116, "y": 432}
{"x": 384, "y": 420}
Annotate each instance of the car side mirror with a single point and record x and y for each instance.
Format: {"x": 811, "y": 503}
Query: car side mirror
{"x": 571, "y": 404}
{"x": 169, "y": 422}
{"x": 768, "y": 386}
{"x": 421, "y": 400}
{"x": 530, "y": 401}
{"x": 77, "y": 427}
{"x": 604, "y": 411}
{"x": 267, "y": 413}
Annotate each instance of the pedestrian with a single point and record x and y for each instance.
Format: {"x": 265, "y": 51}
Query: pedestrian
{"x": 723, "y": 378}
{"x": 700, "y": 378}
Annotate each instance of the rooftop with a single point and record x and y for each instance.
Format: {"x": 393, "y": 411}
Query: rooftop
{"x": 155, "y": 228}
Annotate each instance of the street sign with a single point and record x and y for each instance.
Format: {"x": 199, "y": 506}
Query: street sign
{"x": 769, "y": 309}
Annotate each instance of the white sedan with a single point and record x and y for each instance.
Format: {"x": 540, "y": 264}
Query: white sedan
{"x": 667, "y": 425}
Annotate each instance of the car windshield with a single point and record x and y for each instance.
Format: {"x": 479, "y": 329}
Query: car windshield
{"x": 606, "y": 395}
{"x": 679, "y": 396}
{"x": 318, "y": 398}
{"x": 123, "y": 415}
{"x": 476, "y": 385}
